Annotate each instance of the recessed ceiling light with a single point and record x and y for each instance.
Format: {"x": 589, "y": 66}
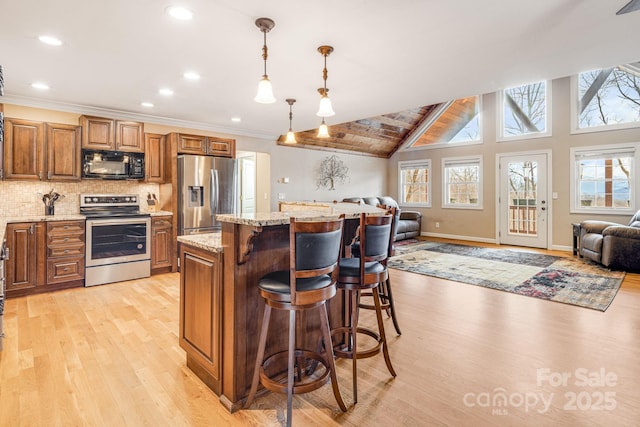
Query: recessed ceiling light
{"x": 190, "y": 75}
{"x": 146, "y": 104}
{"x": 40, "y": 86}
{"x": 53, "y": 41}
{"x": 236, "y": 119}
{"x": 179, "y": 12}
{"x": 165, "y": 91}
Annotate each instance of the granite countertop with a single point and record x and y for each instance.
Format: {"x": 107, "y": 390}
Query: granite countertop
{"x": 325, "y": 210}
{"x": 161, "y": 213}
{"x": 209, "y": 242}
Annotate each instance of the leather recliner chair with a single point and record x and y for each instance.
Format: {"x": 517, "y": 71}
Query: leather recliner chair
{"x": 613, "y": 245}
{"x": 408, "y": 223}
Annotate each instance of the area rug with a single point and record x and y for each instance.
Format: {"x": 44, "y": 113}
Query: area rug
{"x": 561, "y": 279}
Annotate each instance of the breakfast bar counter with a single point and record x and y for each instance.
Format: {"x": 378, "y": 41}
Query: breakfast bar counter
{"x": 220, "y": 306}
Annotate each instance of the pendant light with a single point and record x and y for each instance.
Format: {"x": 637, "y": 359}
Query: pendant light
{"x": 291, "y": 137}
{"x": 323, "y": 130}
{"x": 325, "y": 110}
{"x": 265, "y": 91}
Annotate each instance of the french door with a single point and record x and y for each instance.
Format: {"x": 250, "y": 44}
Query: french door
{"x": 523, "y": 204}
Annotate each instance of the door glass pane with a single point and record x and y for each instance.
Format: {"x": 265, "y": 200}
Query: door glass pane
{"x": 523, "y": 198}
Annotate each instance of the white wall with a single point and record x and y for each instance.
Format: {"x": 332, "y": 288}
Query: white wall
{"x": 367, "y": 176}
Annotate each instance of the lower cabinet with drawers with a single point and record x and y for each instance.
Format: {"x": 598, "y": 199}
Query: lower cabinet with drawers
{"x": 44, "y": 256}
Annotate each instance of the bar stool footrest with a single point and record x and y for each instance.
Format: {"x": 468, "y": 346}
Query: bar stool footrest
{"x": 310, "y": 380}
{"x": 341, "y": 351}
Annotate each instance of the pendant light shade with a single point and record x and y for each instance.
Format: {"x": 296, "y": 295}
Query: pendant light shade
{"x": 265, "y": 90}
{"x": 325, "y": 109}
{"x": 291, "y": 137}
{"x": 323, "y": 130}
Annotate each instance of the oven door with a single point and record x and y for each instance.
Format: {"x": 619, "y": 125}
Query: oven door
{"x": 118, "y": 240}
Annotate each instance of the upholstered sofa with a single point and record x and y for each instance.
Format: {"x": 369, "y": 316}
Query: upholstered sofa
{"x": 612, "y": 245}
{"x": 408, "y": 223}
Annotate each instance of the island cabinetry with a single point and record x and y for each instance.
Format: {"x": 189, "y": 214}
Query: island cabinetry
{"x": 161, "y": 244}
{"x": 203, "y": 145}
{"x": 100, "y": 133}
{"x": 201, "y": 312}
{"x": 65, "y": 252}
{"x": 154, "y": 157}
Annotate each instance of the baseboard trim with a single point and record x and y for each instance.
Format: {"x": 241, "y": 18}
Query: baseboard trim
{"x": 455, "y": 237}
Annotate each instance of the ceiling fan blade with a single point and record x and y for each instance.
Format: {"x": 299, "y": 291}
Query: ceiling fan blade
{"x": 629, "y": 7}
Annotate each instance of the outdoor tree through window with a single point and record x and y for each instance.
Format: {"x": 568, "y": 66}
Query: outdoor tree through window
{"x": 415, "y": 185}
{"x": 524, "y": 110}
{"x": 609, "y": 97}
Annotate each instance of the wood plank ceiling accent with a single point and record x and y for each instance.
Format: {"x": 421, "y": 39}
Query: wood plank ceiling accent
{"x": 379, "y": 136}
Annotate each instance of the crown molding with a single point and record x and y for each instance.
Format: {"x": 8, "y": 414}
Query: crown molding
{"x": 128, "y": 115}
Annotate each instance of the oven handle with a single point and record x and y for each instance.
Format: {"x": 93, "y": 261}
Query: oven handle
{"x": 117, "y": 222}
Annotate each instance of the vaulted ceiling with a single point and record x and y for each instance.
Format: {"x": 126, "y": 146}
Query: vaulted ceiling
{"x": 393, "y": 61}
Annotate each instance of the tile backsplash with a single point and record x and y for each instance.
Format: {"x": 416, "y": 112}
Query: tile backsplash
{"x": 22, "y": 198}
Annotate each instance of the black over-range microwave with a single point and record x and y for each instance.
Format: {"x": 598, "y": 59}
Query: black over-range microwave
{"x": 112, "y": 164}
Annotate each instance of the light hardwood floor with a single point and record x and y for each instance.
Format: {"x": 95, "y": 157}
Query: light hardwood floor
{"x": 109, "y": 356}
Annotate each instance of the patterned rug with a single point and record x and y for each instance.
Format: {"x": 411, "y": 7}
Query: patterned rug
{"x": 566, "y": 280}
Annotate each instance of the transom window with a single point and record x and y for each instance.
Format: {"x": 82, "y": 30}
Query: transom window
{"x": 415, "y": 183}
{"x": 607, "y": 99}
{"x": 525, "y": 111}
{"x": 462, "y": 182}
{"x": 603, "y": 179}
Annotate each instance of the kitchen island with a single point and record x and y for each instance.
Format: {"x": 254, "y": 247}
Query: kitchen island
{"x": 220, "y": 306}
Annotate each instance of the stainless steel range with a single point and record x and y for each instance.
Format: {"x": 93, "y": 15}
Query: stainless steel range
{"x": 118, "y": 238}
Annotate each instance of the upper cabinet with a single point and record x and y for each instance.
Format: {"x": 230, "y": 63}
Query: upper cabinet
{"x": 204, "y": 145}
{"x": 41, "y": 151}
{"x": 154, "y": 146}
{"x": 63, "y": 152}
{"x": 99, "y": 133}
{"x": 24, "y": 150}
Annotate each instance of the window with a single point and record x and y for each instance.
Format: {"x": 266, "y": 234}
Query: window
{"x": 607, "y": 99}
{"x": 451, "y": 123}
{"x": 415, "y": 183}
{"x": 461, "y": 181}
{"x": 603, "y": 179}
{"x": 525, "y": 111}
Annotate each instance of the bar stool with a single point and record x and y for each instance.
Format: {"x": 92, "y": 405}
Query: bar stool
{"x": 308, "y": 284}
{"x": 385, "y": 291}
{"x": 365, "y": 272}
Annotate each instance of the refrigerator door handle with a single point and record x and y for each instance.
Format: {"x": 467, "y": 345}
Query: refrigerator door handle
{"x": 214, "y": 191}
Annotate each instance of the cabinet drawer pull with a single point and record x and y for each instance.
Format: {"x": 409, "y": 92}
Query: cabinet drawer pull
{"x": 66, "y": 251}
{"x": 66, "y": 239}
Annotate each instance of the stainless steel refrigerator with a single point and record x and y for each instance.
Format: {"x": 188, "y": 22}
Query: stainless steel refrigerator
{"x": 206, "y": 186}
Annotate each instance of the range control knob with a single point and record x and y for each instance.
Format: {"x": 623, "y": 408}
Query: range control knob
{"x": 94, "y": 200}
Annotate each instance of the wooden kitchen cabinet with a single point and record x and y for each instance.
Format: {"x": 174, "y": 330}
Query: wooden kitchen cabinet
{"x": 63, "y": 152}
{"x": 204, "y": 145}
{"x": 65, "y": 252}
{"x": 154, "y": 149}
{"x": 41, "y": 151}
{"x": 25, "y": 241}
{"x": 44, "y": 256}
{"x": 100, "y": 133}
{"x": 24, "y": 152}
{"x": 201, "y": 313}
{"x": 161, "y": 244}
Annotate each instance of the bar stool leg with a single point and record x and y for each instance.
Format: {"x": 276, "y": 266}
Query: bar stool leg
{"x": 383, "y": 338}
{"x": 290, "y": 365}
{"x": 262, "y": 343}
{"x": 392, "y": 305}
{"x": 354, "y": 336}
{"x": 324, "y": 324}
